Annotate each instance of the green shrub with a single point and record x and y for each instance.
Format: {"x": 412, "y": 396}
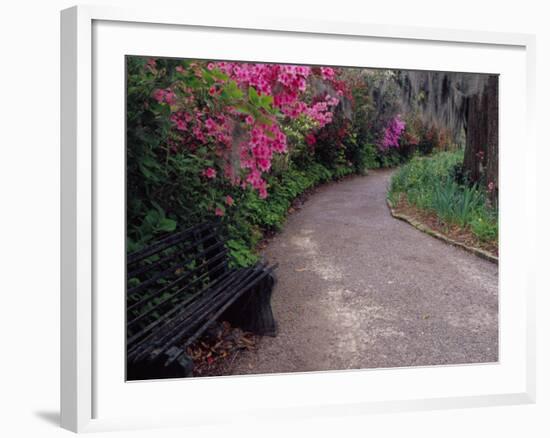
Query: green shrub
{"x": 485, "y": 226}
{"x": 429, "y": 183}
{"x": 370, "y": 154}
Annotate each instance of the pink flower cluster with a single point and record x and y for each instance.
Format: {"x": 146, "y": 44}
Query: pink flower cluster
{"x": 256, "y": 154}
{"x": 265, "y": 77}
{"x": 393, "y": 132}
{"x": 286, "y": 83}
{"x": 310, "y": 139}
{"x": 327, "y": 73}
{"x": 321, "y": 111}
{"x": 213, "y": 125}
{"x": 165, "y": 96}
{"x": 200, "y": 127}
{"x": 209, "y": 172}
{"x": 181, "y": 120}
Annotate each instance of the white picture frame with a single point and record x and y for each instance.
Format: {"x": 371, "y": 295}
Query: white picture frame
{"x": 84, "y": 30}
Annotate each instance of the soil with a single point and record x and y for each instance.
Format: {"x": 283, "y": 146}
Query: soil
{"x": 454, "y": 232}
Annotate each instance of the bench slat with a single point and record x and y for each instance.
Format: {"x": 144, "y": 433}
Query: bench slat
{"x": 205, "y": 309}
{"x": 143, "y": 269}
{"x": 157, "y": 338}
{"x": 221, "y": 265}
{"x": 166, "y": 242}
{"x": 171, "y": 271}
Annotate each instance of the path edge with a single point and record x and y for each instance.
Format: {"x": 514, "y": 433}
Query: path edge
{"x": 430, "y": 231}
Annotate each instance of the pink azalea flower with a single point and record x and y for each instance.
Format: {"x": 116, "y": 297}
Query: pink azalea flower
{"x": 310, "y": 139}
{"x": 211, "y": 126}
{"x": 158, "y": 95}
{"x": 151, "y": 63}
{"x": 170, "y": 97}
{"x": 219, "y": 211}
{"x": 209, "y": 173}
{"x": 393, "y": 132}
{"x": 229, "y": 200}
{"x": 264, "y": 164}
{"x": 327, "y": 73}
{"x": 249, "y": 120}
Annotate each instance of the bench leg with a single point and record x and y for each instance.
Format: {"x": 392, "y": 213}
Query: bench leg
{"x": 252, "y": 311}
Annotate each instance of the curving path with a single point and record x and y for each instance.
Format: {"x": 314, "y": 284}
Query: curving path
{"x": 359, "y": 289}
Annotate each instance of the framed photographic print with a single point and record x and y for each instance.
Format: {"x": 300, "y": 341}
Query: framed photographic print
{"x": 271, "y": 207}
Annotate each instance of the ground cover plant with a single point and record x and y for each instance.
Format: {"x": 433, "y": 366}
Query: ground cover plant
{"x": 434, "y": 184}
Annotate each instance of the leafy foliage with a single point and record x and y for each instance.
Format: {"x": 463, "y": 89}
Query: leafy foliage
{"x": 211, "y": 141}
{"x": 429, "y": 183}
{"x": 238, "y": 142}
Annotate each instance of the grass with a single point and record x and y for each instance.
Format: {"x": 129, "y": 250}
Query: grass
{"x": 428, "y": 183}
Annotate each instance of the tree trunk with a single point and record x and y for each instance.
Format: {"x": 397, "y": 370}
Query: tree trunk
{"x": 481, "y": 153}
{"x": 492, "y": 138}
{"x": 476, "y": 137}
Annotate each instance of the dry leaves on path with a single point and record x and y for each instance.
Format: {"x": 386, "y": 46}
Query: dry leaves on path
{"x": 214, "y": 353}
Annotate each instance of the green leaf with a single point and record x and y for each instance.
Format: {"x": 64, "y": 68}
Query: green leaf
{"x": 245, "y": 108}
{"x": 152, "y": 217}
{"x": 194, "y": 83}
{"x": 207, "y": 76}
{"x": 219, "y": 75}
{"x": 146, "y": 172}
{"x": 232, "y": 91}
{"x": 167, "y": 225}
{"x": 253, "y": 96}
{"x": 266, "y": 102}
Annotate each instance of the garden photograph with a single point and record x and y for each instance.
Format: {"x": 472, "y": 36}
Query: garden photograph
{"x": 304, "y": 218}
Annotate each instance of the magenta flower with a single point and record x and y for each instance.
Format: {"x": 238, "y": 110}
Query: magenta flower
{"x": 219, "y": 211}
{"x": 209, "y": 173}
{"x": 327, "y": 73}
{"x": 393, "y": 132}
{"x": 170, "y": 97}
{"x": 151, "y": 64}
{"x": 310, "y": 139}
{"x": 158, "y": 95}
{"x": 211, "y": 126}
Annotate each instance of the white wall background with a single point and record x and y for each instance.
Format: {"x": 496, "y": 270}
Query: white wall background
{"x": 29, "y": 215}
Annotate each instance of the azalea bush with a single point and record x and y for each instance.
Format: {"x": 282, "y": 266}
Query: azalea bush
{"x": 209, "y": 139}
{"x": 380, "y": 132}
{"x": 238, "y": 142}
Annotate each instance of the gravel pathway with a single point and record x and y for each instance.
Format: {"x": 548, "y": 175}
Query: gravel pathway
{"x": 359, "y": 289}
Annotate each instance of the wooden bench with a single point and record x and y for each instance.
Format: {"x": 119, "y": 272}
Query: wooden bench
{"x": 177, "y": 288}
